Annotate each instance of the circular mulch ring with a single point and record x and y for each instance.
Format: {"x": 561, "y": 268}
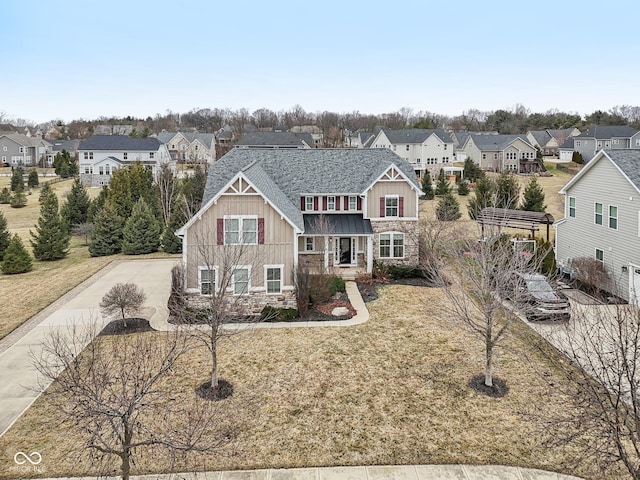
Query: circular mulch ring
{"x": 224, "y": 390}
{"x": 126, "y": 326}
{"x": 498, "y": 390}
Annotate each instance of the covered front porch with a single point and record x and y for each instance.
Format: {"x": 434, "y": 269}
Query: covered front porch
{"x": 338, "y": 243}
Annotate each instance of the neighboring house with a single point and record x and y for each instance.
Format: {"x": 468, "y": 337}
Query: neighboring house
{"x": 602, "y": 220}
{"x": 70, "y": 146}
{"x": 100, "y": 156}
{"x": 549, "y": 141}
{"x": 427, "y": 150}
{"x": 273, "y": 140}
{"x": 501, "y": 152}
{"x": 565, "y": 151}
{"x": 224, "y": 136}
{"x": 311, "y": 134}
{"x": 459, "y": 139}
{"x": 358, "y": 139}
{"x": 113, "y": 129}
{"x": 17, "y": 149}
{"x": 607, "y": 137}
{"x": 190, "y": 147}
{"x": 329, "y": 209}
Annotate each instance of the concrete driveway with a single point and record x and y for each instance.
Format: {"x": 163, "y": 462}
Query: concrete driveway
{"x": 20, "y": 383}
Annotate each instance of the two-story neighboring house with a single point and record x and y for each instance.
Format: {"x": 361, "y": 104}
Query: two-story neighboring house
{"x": 602, "y": 219}
{"x": 274, "y": 140}
{"x": 427, "y": 150}
{"x": 190, "y": 147}
{"x": 328, "y": 209}
{"x": 101, "y": 155}
{"x": 605, "y": 137}
{"x": 549, "y": 141}
{"x": 17, "y": 149}
{"x": 500, "y": 152}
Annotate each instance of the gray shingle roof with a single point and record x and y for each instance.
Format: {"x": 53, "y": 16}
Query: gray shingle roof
{"x": 284, "y": 175}
{"x": 629, "y": 163}
{"x": 542, "y": 137}
{"x": 415, "y": 135}
{"x": 25, "y": 140}
{"x": 609, "y": 131}
{"x": 120, "y": 143}
{"x": 206, "y": 138}
{"x": 568, "y": 144}
{"x": 495, "y": 142}
{"x": 266, "y": 139}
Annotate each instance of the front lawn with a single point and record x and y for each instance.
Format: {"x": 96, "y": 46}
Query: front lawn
{"x": 391, "y": 391}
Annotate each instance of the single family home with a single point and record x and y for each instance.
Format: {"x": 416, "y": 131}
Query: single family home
{"x": 500, "y": 152}
{"x": 607, "y": 137}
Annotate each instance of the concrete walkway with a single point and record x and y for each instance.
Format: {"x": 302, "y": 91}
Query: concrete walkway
{"x": 386, "y": 472}
{"x": 20, "y": 383}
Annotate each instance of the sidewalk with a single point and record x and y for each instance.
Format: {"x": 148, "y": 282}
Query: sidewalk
{"x": 386, "y": 472}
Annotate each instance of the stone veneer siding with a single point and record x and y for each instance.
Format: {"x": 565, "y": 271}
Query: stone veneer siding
{"x": 410, "y": 230}
{"x": 94, "y": 180}
{"x": 251, "y": 304}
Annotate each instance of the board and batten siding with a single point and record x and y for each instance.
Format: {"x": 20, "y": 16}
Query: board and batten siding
{"x": 580, "y": 236}
{"x": 400, "y": 188}
{"x": 278, "y": 244}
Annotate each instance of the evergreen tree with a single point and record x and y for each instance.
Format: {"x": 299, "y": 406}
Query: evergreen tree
{"x": 576, "y": 157}
{"x": 17, "y": 179}
{"x": 106, "y": 238}
{"x": 463, "y": 188}
{"x": 448, "y": 208}
{"x": 5, "y": 236}
{"x": 442, "y": 187}
{"x": 507, "y": 191}
{"x": 75, "y": 209}
{"x": 16, "y": 258}
{"x": 33, "y": 181}
{"x": 533, "y": 200}
{"x": 64, "y": 165}
{"x": 44, "y": 191}
{"x": 193, "y": 189}
{"x": 141, "y": 233}
{"x": 427, "y": 186}
{"x": 51, "y": 238}
{"x": 18, "y": 199}
{"x": 97, "y": 203}
{"x": 485, "y": 197}
{"x": 472, "y": 171}
{"x": 128, "y": 184}
{"x": 171, "y": 243}
{"x": 5, "y": 196}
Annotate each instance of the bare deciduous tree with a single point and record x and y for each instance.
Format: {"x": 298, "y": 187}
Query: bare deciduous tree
{"x": 479, "y": 277}
{"x": 167, "y": 188}
{"x": 123, "y": 298}
{"x": 117, "y": 394}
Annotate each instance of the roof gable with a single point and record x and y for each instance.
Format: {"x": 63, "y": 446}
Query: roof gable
{"x": 627, "y": 162}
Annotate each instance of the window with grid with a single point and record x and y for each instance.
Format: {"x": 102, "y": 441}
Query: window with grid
{"x": 308, "y": 245}
{"x": 392, "y": 245}
{"x": 273, "y": 279}
{"x": 240, "y": 281}
{"x": 353, "y": 203}
{"x": 241, "y": 230}
{"x": 598, "y": 214}
{"x": 207, "y": 280}
{"x": 391, "y": 206}
{"x": 613, "y": 217}
{"x": 308, "y": 203}
{"x": 600, "y": 255}
{"x": 331, "y": 203}
{"x": 572, "y": 207}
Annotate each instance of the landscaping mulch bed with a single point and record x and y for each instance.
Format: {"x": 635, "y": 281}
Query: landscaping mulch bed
{"x": 126, "y": 326}
{"x": 369, "y": 290}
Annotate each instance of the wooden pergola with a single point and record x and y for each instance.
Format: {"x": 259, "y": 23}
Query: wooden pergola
{"x": 519, "y": 219}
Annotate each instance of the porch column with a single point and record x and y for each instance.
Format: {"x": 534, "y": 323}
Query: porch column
{"x": 369, "y": 253}
{"x": 326, "y": 253}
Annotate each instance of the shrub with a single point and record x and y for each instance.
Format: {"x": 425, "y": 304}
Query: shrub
{"x": 336, "y": 284}
{"x": 273, "y": 314}
{"x": 591, "y": 274}
{"x": 5, "y": 196}
{"x": 319, "y": 289}
{"x": 16, "y": 258}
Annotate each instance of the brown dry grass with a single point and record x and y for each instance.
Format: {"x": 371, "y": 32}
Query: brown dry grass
{"x": 391, "y": 391}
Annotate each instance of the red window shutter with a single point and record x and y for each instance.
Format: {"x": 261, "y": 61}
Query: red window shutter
{"x": 260, "y": 231}
{"x": 315, "y": 203}
{"x": 220, "y": 231}
{"x": 382, "y": 206}
{"x": 337, "y": 203}
{"x": 324, "y": 203}
{"x": 346, "y": 203}
{"x": 302, "y": 203}
{"x": 359, "y": 202}
{"x": 401, "y": 207}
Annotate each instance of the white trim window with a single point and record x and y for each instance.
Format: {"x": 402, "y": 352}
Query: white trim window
{"x": 600, "y": 255}
{"x": 331, "y": 203}
{"x": 391, "y": 205}
{"x": 353, "y": 202}
{"x": 613, "y": 217}
{"x": 308, "y": 204}
{"x": 240, "y": 229}
{"x": 273, "y": 278}
{"x": 598, "y": 214}
{"x": 241, "y": 280}
{"x": 572, "y": 207}
{"x": 207, "y": 280}
{"x": 309, "y": 244}
{"x": 391, "y": 245}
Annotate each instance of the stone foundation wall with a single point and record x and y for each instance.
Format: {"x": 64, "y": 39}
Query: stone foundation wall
{"x": 94, "y": 180}
{"x": 410, "y": 230}
{"x": 251, "y": 304}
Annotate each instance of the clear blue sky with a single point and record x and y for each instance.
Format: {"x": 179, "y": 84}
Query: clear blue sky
{"x": 77, "y": 59}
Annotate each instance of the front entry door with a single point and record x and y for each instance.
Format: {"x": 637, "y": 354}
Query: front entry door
{"x": 345, "y": 251}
